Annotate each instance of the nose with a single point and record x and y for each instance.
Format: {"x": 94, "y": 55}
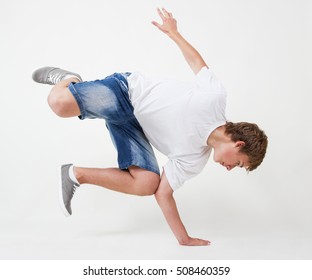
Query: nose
{"x": 229, "y": 167}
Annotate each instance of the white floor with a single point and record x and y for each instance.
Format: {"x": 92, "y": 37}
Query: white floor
{"x": 81, "y": 238}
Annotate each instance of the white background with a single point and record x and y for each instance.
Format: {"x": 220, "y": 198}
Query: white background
{"x": 261, "y": 50}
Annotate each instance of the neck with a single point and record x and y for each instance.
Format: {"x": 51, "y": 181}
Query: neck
{"x": 217, "y": 137}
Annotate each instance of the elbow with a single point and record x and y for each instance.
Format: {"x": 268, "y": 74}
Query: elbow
{"x": 161, "y": 196}
{"x": 164, "y": 192}
{"x": 158, "y": 196}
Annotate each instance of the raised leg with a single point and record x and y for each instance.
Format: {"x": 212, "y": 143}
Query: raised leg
{"x": 136, "y": 181}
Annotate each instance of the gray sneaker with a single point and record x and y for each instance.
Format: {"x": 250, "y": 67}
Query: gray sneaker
{"x": 52, "y": 75}
{"x": 68, "y": 188}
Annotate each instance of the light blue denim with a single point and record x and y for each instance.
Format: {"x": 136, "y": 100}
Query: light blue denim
{"x": 108, "y": 99}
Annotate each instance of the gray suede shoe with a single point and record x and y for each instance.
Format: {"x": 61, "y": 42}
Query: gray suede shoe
{"x": 52, "y": 75}
{"x": 68, "y": 188}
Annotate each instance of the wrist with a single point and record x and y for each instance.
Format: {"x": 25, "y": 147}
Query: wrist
{"x": 174, "y": 34}
{"x": 184, "y": 240}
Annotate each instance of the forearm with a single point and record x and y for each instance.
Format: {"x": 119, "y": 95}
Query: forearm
{"x": 164, "y": 197}
{"x": 170, "y": 211}
{"x": 191, "y": 55}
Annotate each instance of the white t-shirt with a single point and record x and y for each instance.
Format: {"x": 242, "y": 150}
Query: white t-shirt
{"x": 178, "y": 117}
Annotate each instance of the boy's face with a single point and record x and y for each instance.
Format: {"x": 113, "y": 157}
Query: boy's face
{"x": 229, "y": 155}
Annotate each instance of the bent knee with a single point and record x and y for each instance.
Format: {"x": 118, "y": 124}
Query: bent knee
{"x": 147, "y": 184}
{"x": 63, "y": 103}
{"x": 57, "y": 105}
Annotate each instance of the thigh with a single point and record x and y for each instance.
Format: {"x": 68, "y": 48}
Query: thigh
{"x": 133, "y": 148}
{"x": 146, "y": 182}
{"x": 106, "y": 99}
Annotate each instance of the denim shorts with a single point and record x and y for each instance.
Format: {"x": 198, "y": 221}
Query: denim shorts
{"x": 108, "y": 99}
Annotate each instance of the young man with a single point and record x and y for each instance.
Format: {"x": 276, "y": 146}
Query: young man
{"x": 184, "y": 121}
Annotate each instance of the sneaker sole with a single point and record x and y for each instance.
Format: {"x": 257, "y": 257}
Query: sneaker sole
{"x": 61, "y": 199}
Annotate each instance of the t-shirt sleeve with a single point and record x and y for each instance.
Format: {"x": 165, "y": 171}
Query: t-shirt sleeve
{"x": 179, "y": 171}
{"x": 208, "y": 82}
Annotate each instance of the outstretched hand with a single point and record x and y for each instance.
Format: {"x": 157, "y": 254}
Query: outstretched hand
{"x": 169, "y": 24}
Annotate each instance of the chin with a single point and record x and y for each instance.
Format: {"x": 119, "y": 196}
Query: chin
{"x": 215, "y": 158}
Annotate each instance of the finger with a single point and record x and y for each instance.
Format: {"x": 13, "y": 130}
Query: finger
{"x": 207, "y": 242}
{"x": 156, "y": 24}
{"x": 166, "y": 13}
{"x": 161, "y": 14}
{"x": 204, "y": 242}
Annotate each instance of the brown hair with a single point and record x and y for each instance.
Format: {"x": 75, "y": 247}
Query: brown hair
{"x": 256, "y": 141}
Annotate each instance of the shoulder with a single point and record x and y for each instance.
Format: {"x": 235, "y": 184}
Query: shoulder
{"x": 208, "y": 81}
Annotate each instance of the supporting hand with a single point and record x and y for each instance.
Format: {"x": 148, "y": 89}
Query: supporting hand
{"x": 164, "y": 197}
{"x": 195, "y": 242}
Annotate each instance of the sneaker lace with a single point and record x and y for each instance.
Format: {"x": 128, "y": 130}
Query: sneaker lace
{"x": 75, "y": 186}
{"x": 55, "y": 78}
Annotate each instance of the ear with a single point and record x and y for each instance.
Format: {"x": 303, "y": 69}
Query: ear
{"x": 240, "y": 144}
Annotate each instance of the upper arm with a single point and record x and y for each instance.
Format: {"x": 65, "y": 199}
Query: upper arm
{"x": 198, "y": 65}
{"x": 194, "y": 59}
{"x": 164, "y": 190}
